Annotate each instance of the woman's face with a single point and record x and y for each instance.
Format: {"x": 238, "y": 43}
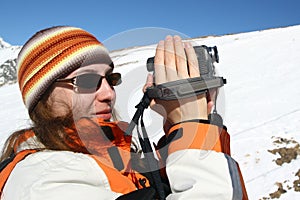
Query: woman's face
{"x": 98, "y": 102}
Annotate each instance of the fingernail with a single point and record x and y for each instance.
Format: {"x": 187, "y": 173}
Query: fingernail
{"x": 177, "y": 38}
{"x": 161, "y": 43}
{"x": 169, "y": 37}
{"x": 187, "y": 45}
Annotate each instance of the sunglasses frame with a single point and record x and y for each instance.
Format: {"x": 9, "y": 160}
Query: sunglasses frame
{"x": 109, "y": 77}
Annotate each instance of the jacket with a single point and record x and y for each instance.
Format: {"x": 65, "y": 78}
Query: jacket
{"x": 195, "y": 154}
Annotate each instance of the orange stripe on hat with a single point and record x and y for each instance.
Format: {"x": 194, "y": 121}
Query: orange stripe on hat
{"x": 53, "y": 53}
{"x": 53, "y": 46}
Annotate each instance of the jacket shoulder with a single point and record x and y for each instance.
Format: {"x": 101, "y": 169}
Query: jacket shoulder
{"x": 57, "y": 175}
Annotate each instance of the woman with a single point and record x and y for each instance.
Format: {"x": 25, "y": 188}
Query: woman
{"x": 75, "y": 151}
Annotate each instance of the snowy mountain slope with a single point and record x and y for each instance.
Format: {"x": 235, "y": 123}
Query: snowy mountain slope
{"x": 8, "y": 56}
{"x": 7, "y": 51}
{"x": 3, "y": 43}
{"x": 259, "y": 103}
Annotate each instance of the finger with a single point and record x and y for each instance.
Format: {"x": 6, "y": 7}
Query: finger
{"x": 192, "y": 60}
{"x": 149, "y": 82}
{"x": 170, "y": 62}
{"x": 210, "y": 97}
{"x": 181, "y": 62}
{"x": 210, "y": 105}
{"x": 211, "y": 94}
{"x": 159, "y": 68}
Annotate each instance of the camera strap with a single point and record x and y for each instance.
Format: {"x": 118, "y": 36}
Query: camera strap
{"x": 146, "y": 145}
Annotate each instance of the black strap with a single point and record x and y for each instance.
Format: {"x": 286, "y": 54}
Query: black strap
{"x": 146, "y": 145}
{"x": 5, "y": 162}
{"x": 142, "y": 194}
{"x": 116, "y": 157}
{"x": 144, "y": 103}
{"x": 152, "y": 162}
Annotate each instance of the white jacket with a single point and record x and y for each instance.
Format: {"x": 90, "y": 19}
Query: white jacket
{"x": 196, "y": 168}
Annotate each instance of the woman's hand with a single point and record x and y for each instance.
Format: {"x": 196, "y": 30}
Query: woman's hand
{"x": 176, "y": 60}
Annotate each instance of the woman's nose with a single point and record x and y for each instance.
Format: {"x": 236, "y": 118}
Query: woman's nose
{"x": 106, "y": 92}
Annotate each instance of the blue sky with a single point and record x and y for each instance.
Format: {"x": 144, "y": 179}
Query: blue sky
{"x": 19, "y": 19}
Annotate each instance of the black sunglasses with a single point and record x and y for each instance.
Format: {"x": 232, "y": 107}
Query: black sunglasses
{"x": 91, "y": 82}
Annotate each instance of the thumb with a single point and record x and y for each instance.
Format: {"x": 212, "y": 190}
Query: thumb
{"x": 210, "y": 106}
{"x": 149, "y": 82}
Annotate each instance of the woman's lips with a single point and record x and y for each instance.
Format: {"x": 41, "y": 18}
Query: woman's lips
{"x": 105, "y": 114}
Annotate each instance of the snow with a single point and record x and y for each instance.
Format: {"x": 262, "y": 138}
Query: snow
{"x": 260, "y": 102}
{"x": 7, "y": 51}
{"x": 3, "y": 43}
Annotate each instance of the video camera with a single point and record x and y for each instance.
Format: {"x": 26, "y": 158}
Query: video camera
{"x": 183, "y": 88}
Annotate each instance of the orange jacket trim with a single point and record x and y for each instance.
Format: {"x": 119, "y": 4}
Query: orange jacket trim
{"x": 200, "y": 136}
{"x": 118, "y": 182}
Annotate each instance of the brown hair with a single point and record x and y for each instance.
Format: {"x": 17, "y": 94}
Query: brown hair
{"x": 48, "y": 128}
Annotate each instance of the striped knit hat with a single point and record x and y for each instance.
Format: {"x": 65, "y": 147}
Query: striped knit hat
{"x": 54, "y": 53}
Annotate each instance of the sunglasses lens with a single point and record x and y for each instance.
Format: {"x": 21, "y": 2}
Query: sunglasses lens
{"x": 93, "y": 81}
{"x": 88, "y": 81}
{"x": 114, "y": 79}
